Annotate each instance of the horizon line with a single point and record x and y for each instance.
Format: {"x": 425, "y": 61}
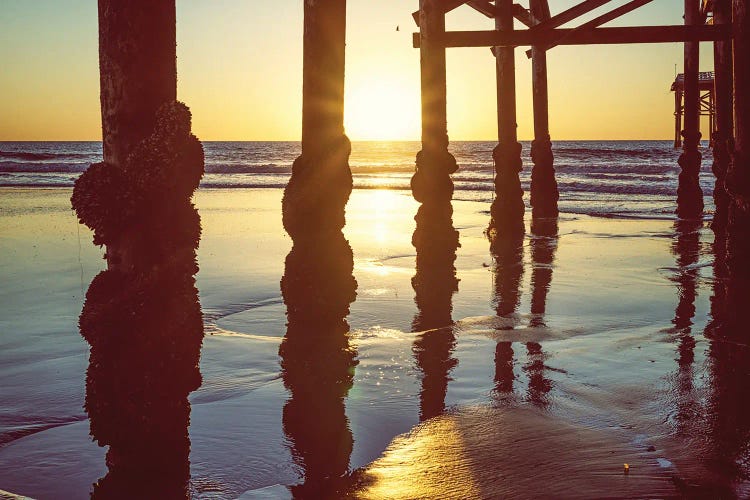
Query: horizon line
{"x": 359, "y": 140}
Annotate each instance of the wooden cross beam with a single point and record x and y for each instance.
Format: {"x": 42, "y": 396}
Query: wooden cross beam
{"x": 604, "y": 18}
{"x": 482, "y": 6}
{"x": 598, "y": 36}
{"x": 523, "y": 15}
{"x": 448, "y": 5}
{"x": 570, "y": 14}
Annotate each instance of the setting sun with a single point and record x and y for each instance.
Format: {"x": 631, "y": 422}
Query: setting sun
{"x": 382, "y": 110}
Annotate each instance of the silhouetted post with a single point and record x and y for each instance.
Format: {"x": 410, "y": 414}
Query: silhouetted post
{"x": 738, "y": 173}
{"x": 724, "y": 115}
{"x": 729, "y": 365}
{"x": 138, "y": 73}
{"x": 431, "y": 183}
{"x": 508, "y": 208}
{"x": 434, "y": 238}
{"x": 544, "y": 193}
{"x": 321, "y": 181}
{"x": 677, "y": 118}
{"x": 689, "y": 193}
{"x": 142, "y": 318}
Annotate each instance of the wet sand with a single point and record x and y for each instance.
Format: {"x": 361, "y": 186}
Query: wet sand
{"x": 555, "y": 362}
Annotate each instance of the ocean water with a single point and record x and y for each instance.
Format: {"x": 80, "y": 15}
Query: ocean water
{"x": 606, "y": 178}
{"x": 580, "y": 350}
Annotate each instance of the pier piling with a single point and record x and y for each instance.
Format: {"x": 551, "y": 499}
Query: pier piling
{"x": 544, "y": 193}
{"x": 738, "y": 173}
{"x": 724, "y": 118}
{"x": 431, "y": 183}
{"x": 133, "y": 35}
{"x": 321, "y": 182}
{"x": 142, "y": 318}
{"x": 508, "y": 208}
{"x": 689, "y": 193}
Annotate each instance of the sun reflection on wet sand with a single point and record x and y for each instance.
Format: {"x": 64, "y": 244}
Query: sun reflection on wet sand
{"x": 431, "y": 462}
{"x": 484, "y": 452}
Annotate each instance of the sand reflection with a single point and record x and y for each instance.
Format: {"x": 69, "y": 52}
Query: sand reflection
{"x": 508, "y": 270}
{"x": 712, "y": 415}
{"x": 318, "y": 362}
{"x": 434, "y": 283}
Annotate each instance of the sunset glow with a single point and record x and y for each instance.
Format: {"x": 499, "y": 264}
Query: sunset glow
{"x": 382, "y": 110}
{"x": 241, "y": 72}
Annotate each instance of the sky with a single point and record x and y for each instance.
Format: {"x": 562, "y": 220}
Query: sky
{"x": 239, "y": 66}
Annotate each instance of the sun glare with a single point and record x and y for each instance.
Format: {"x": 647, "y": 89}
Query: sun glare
{"x": 382, "y": 110}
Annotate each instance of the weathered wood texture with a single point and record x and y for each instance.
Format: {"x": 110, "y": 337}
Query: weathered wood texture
{"x": 741, "y": 64}
{"x": 138, "y": 70}
{"x": 723, "y": 122}
{"x": 433, "y": 76}
{"x": 142, "y": 316}
{"x": 323, "y": 64}
{"x": 505, "y": 65}
{"x": 316, "y": 195}
{"x": 544, "y": 193}
{"x": 691, "y": 69}
{"x": 508, "y": 208}
{"x": 598, "y": 36}
{"x": 689, "y": 193}
{"x": 738, "y": 175}
{"x": 431, "y": 182}
{"x": 523, "y": 15}
{"x": 540, "y": 11}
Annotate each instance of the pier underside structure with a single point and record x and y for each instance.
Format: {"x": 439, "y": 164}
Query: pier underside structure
{"x": 695, "y": 93}
{"x": 722, "y": 94}
{"x": 706, "y": 103}
{"x": 138, "y": 200}
{"x": 321, "y": 180}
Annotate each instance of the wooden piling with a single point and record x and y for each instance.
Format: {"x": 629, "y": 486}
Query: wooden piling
{"x": 323, "y": 63}
{"x": 138, "y": 70}
{"x": 321, "y": 181}
{"x": 508, "y": 208}
{"x": 544, "y": 193}
{"x": 738, "y": 173}
{"x": 723, "y": 113}
{"x": 689, "y": 193}
{"x": 137, "y": 201}
{"x": 142, "y": 317}
{"x": 133, "y": 35}
{"x": 434, "y": 238}
{"x": 431, "y": 182}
